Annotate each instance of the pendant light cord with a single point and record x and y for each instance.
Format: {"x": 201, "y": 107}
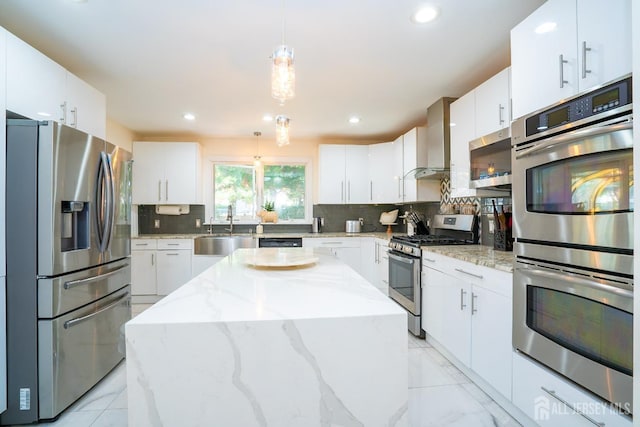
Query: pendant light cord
{"x": 283, "y": 21}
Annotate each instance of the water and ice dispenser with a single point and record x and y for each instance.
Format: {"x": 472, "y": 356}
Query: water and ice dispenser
{"x": 75, "y": 229}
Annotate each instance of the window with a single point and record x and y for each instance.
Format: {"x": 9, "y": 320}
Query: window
{"x": 247, "y": 187}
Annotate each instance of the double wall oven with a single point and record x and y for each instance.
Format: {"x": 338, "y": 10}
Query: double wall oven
{"x": 405, "y": 260}
{"x": 573, "y": 224}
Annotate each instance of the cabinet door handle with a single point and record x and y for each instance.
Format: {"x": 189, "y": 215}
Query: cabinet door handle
{"x": 349, "y": 191}
{"x": 342, "y": 191}
{"x": 479, "y": 276}
{"x": 462, "y": 304}
{"x": 141, "y": 244}
{"x": 371, "y": 190}
{"x": 429, "y": 259}
{"x": 153, "y": 259}
{"x": 500, "y": 110}
{"x": 159, "y": 189}
{"x": 585, "y": 49}
{"x": 173, "y": 244}
{"x": 74, "y": 112}
{"x": 474, "y": 299}
{"x": 63, "y": 110}
{"x": 172, "y": 254}
{"x": 166, "y": 189}
{"x": 562, "y": 61}
{"x": 399, "y": 188}
{"x": 553, "y": 394}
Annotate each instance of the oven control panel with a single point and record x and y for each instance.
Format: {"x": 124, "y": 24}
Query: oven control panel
{"x": 600, "y": 101}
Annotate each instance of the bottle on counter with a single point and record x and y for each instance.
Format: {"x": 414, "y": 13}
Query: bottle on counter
{"x": 259, "y": 229}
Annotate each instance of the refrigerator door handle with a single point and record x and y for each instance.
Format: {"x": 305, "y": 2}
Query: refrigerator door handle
{"x": 74, "y": 283}
{"x": 70, "y": 323}
{"x": 111, "y": 205}
{"x": 101, "y": 202}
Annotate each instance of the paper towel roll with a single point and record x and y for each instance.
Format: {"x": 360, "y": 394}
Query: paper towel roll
{"x": 172, "y": 209}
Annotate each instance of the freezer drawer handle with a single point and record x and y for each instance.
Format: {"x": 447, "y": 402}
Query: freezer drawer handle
{"x": 74, "y": 283}
{"x": 73, "y": 322}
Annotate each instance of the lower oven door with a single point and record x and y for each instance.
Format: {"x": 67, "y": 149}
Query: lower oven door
{"x": 579, "y": 326}
{"x": 78, "y": 349}
{"x": 404, "y": 281}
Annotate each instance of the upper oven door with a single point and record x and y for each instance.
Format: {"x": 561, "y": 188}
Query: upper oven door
{"x": 576, "y": 188}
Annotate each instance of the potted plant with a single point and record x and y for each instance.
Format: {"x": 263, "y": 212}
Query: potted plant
{"x": 268, "y": 212}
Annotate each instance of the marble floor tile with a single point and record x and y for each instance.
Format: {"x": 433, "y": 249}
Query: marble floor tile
{"x": 446, "y": 405}
{"x": 138, "y": 308}
{"x": 112, "y": 418}
{"x": 120, "y": 402}
{"x": 424, "y": 371}
{"x": 415, "y": 342}
{"x": 74, "y": 419}
{"x": 105, "y": 392}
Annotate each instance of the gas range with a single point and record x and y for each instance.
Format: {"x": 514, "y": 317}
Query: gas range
{"x": 411, "y": 244}
{"x": 447, "y": 230}
{"x": 405, "y": 261}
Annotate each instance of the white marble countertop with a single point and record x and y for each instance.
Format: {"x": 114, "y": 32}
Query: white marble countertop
{"x": 477, "y": 254}
{"x": 232, "y": 291}
{"x": 379, "y": 235}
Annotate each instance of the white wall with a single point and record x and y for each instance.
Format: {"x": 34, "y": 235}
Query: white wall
{"x": 119, "y": 135}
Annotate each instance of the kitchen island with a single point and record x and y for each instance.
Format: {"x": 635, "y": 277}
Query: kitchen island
{"x": 247, "y": 345}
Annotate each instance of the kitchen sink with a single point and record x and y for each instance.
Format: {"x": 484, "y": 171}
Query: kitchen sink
{"x": 221, "y": 245}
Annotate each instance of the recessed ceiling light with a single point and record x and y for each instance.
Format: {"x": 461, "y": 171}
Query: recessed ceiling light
{"x": 354, "y": 119}
{"x": 189, "y": 116}
{"x": 44, "y": 114}
{"x": 425, "y": 14}
{"x": 545, "y": 27}
{"x": 267, "y": 118}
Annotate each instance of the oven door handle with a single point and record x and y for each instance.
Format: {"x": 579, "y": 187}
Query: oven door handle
{"x": 402, "y": 258}
{"x": 607, "y": 127}
{"x": 575, "y": 279}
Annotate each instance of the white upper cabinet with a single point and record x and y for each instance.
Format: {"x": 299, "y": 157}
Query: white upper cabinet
{"x": 86, "y": 107}
{"x": 383, "y": 182}
{"x": 604, "y": 41}
{"x": 414, "y": 154}
{"x": 396, "y": 166}
{"x": 166, "y": 173}
{"x": 36, "y": 85}
{"x": 463, "y": 116}
{"x": 41, "y": 89}
{"x": 493, "y": 104}
{"x": 587, "y": 43}
{"x": 483, "y": 110}
{"x": 343, "y": 175}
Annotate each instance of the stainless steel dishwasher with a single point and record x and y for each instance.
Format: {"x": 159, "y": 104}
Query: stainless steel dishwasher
{"x": 280, "y": 242}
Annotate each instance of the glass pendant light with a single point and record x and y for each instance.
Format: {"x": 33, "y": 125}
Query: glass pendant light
{"x": 283, "y": 74}
{"x": 282, "y": 131}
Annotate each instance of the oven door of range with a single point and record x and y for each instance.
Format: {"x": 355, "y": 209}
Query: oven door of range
{"x": 579, "y": 326}
{"x": 577, "y": 187}
{"x": 404, "y": 281}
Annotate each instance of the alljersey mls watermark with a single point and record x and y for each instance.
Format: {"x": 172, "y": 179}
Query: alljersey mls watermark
{"x": 545, "y": 408}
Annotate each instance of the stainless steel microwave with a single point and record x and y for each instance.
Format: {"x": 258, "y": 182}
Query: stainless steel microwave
{"x": 490, "y": 160}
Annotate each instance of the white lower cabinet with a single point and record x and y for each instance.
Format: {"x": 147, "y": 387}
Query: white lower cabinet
{"x": 160, "y": 266}
{"x": 174, "y": 264}
{"x": 143, "y": 267}
{"x": 551, "y": 401}
{"x": 346, "y": 249}
{"x": 466, "y": 308}
{"x": 382, "y": 265}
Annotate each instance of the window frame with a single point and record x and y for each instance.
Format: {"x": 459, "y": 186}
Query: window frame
{"x": 209, "y": 187}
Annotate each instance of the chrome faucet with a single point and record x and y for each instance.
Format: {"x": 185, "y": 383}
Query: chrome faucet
{"x": 230, "y": 219}
{"x": 211, "y": 225}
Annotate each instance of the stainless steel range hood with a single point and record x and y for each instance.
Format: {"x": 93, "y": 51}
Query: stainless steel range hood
{"x": 436, "y": 164}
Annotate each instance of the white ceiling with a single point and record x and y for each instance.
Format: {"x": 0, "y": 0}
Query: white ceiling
{"x": 156, "y": 59}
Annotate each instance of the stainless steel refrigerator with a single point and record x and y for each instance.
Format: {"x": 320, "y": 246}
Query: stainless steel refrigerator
{"x": 68, "y": 210}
